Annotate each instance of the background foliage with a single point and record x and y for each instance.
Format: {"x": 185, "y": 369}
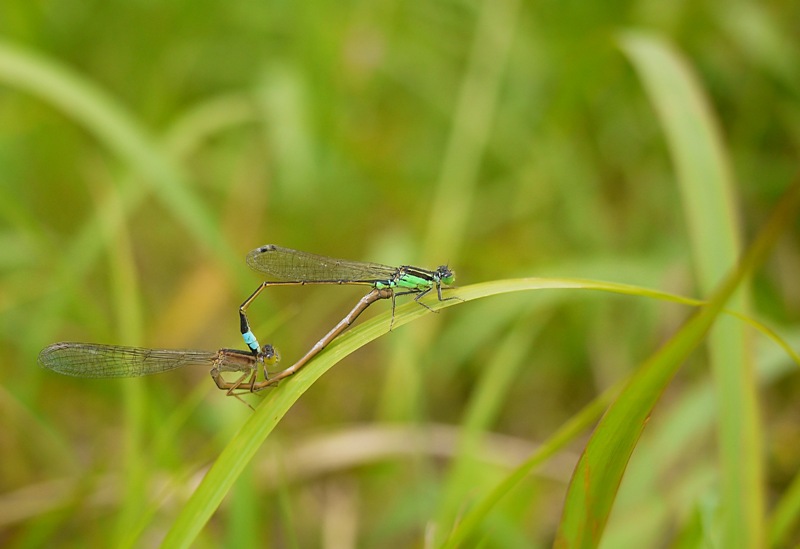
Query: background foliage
{"x": 146, "y": 147}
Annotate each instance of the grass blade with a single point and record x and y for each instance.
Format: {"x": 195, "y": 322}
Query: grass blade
{"x": 599, "y": 472}
{"x": 244, "y": 444}
{"x": 114, "y": 127}
{"x": 707, "y": 191}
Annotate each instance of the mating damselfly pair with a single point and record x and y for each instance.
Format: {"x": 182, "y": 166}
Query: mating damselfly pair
{"x": 285, "y": 267}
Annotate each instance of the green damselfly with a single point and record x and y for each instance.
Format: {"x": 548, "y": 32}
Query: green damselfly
{"x": 293, "y": 267}
{"x": 94, "y": 360}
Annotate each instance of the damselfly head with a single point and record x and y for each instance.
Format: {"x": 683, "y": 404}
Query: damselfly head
{"x": 269, "y": 355}
{"x": 445, "y": 275}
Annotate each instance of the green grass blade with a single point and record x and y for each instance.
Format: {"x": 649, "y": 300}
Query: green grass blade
{"x": 554, "y": 444}
{"x": 487, "y": 401}
{"x": 786, "y": 516}
{"x": 472, "y": 520}
{"x": 474, "y": 113}
{"x": 599, "y": 472}
{"x": 707, "y": 191}
{"x": 242, "y": 447}
{"x": 697, "y": 152}
{"x": 96, "y": 111}
{"x": 146, "y": 159}
{"x": 134, "y": 402}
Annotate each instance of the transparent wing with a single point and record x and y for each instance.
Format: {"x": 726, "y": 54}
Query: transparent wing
{"x": 287, "y": 265}
{"x": 95, "y": 360}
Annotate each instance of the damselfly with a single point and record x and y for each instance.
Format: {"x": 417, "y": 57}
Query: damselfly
{"x": 293, "y": 267}
{"x": 93, "y": 360}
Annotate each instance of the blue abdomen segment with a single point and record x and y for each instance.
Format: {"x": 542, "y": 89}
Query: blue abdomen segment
{"x": 251, "y": 341}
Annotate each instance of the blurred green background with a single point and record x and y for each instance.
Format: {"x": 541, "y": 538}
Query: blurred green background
{"x": 146, "y": 147}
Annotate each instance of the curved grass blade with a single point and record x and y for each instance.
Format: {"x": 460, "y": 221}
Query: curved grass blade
{"x": 597, "y": 476}
{"x": 244, "y": 444}
{"x": 568, "y": 432}
{"x": 708, "y": 197}
{"x": 114, "y": 127}
{"x": 786, "y": 516}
